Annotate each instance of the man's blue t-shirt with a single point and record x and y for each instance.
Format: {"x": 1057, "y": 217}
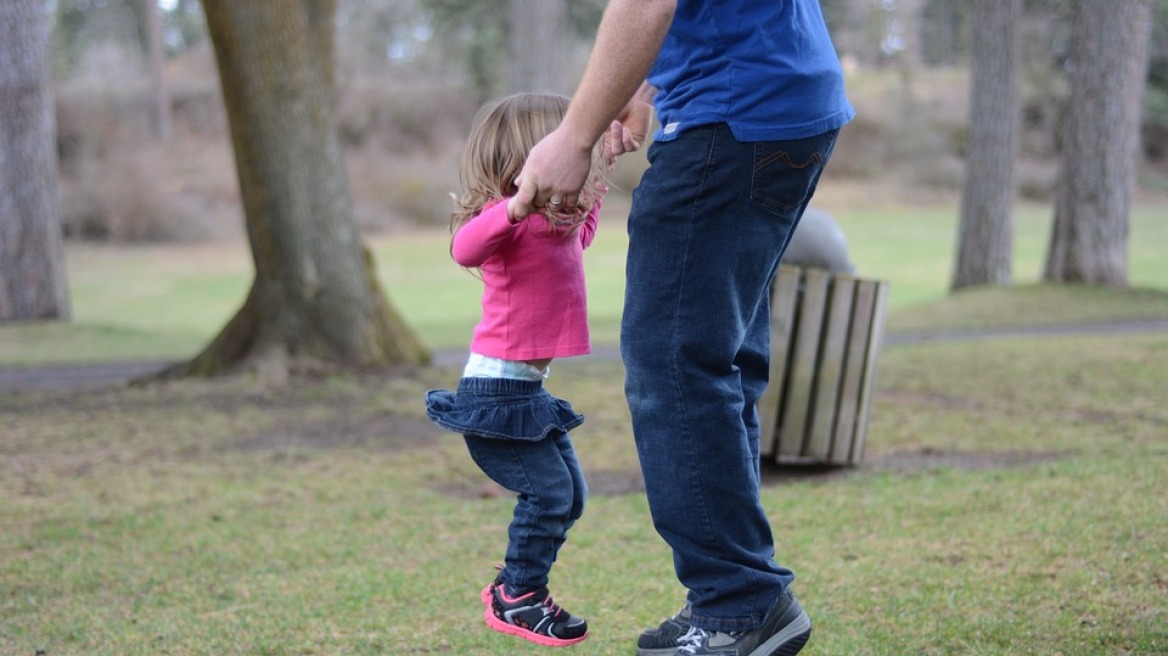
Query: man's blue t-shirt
{"x": 765, "y": 67}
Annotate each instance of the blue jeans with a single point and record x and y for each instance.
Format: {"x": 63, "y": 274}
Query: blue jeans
{"x": 551, "y": 493}
{"x": 708, "y": 225}
{"x": 517, "y": 434}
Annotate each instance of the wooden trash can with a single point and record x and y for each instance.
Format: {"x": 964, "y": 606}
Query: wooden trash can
{"x": 826, "y": 331}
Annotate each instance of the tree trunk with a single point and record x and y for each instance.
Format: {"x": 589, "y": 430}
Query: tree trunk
{"x": 539, "y": 42}
{"x": 32, "y": 271}
{"x": 1097, "y": 175}
{"x": 985, "y": 237}
{"x": 156, "y": 60}
{"x": 315, "y": 299}
{"x": 906, "y": 26}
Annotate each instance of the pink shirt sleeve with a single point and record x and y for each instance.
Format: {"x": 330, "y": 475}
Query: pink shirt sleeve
{"x": 486, "y": 233}
{"x": 588, "y": 228}
{"x": 491, "y": 230}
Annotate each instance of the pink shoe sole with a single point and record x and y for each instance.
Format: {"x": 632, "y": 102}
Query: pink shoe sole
{"x": 539, "y": 639}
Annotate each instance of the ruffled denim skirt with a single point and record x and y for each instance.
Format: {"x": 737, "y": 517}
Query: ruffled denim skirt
{"x": 501, "y": 408}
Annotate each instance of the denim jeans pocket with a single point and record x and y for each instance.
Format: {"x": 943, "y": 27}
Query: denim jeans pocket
{"x": 785, "y": 172}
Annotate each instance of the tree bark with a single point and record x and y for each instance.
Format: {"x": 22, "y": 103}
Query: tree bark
{"x": 315, "y": 300}
{"x": 1097, "y": 175}
{"x": 32, "y": 271}
{"x": 985, "y": 234}
{"x": 156, "y": 60}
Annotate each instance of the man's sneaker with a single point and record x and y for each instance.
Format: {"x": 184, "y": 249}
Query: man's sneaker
{"x": 532, "y": 616}
{"x": 662, "y": 641}
{"x": 784, "y": 631}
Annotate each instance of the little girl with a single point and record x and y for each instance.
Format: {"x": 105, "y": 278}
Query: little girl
{"x": 533, "y": 310}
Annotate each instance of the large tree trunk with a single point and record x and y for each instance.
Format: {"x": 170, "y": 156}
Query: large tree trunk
{"x": 32, "y": 272}
{"x": 315, "y": 299}
{"x": 1109, "y": 53}
{"x": 539, "y": 44}
{"x": 985, "y": 237}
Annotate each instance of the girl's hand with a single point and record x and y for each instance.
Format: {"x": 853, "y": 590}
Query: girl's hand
{"x": 630, "y": 129}
{"x": 620, "y": 140}
{"x": 515, "y": 212}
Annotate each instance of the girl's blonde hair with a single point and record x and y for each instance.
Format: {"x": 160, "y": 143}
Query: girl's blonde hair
{"x": 503, "y": 133}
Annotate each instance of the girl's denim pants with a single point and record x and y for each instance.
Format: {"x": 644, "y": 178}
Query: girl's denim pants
{"x": 707, "y": 227}
{"x": 517, "y": 433}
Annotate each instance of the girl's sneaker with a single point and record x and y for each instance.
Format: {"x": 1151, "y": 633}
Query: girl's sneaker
{"x": 532, "y": 616}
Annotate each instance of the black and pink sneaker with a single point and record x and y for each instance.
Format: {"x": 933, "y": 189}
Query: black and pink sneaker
{"x": 532, "y": 616}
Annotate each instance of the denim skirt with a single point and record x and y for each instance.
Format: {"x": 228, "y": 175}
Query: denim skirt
{"x": 501, "y": 408}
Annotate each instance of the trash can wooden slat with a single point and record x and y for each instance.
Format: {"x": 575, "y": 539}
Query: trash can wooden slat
{"x": 825, "y": 340}
{"x": 784, "y": 298}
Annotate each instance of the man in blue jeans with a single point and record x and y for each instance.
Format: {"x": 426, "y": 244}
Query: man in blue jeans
{"x": 750, "y": 97}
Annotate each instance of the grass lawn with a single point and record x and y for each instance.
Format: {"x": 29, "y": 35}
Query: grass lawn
{"x": 1011, "y": 502}
{"x": 1012, "y": 499}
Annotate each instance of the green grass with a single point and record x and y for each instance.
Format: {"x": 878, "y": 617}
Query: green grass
{"x": 913, "y": 248}
{"x": 328, "y": 517}
{"x": 130, "y": 303}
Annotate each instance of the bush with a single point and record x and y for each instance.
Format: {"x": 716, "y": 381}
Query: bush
{"x": 124, "y": 200}
{"x": 113, "y": 175}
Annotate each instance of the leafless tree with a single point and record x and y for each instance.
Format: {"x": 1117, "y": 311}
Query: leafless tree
{"x": 1097, "y": 175}
{"x": 156, "y": 63}
{"x": 32, "y": 271}
{"x": 315, "y": 300}
{"x": 985, "y": 235}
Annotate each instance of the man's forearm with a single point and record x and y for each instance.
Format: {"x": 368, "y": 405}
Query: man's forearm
{"x": 627, "y": 42}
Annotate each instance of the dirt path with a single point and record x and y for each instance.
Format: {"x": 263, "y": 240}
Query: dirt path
{"x": 94, "y": 375}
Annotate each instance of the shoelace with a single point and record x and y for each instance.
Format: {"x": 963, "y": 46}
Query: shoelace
{"x": 552, "y": 607}
{"x": 694, "y": 639}
{"x": 551, "y": 617}
{"x": 691, "y": 641}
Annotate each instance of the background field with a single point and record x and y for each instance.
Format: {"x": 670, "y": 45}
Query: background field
{"x": 165, "y": 301}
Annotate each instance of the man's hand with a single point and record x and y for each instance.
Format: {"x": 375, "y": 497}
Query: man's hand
{"x": 552, "y": 176}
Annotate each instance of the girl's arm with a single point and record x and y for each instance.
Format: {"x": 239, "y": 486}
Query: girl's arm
{"x": 480, "y": 237}
{"x": 588, "y": 228}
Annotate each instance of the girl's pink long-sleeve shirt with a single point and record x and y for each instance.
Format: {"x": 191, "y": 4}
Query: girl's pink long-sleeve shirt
{"x": 534, "y": 299}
